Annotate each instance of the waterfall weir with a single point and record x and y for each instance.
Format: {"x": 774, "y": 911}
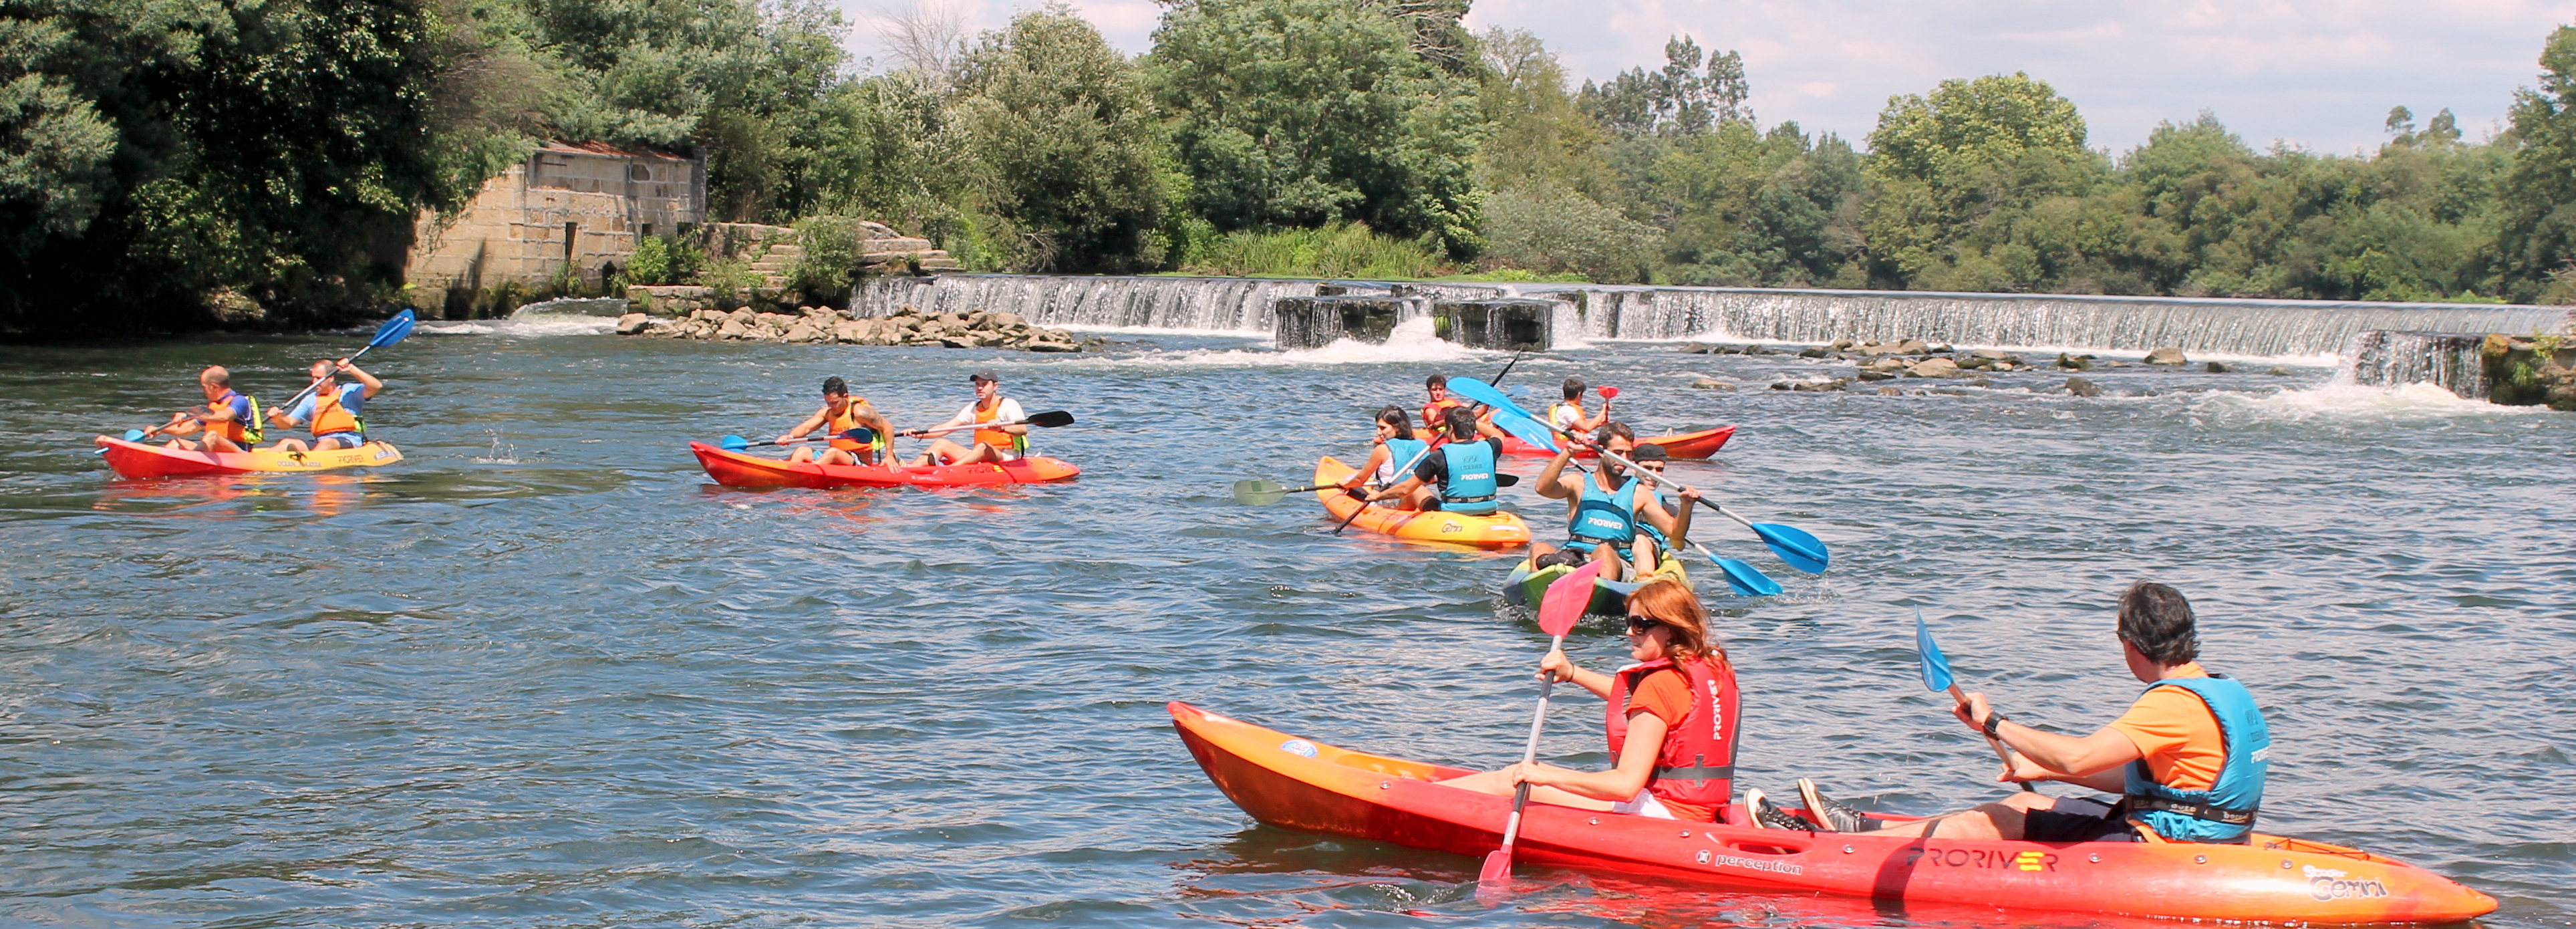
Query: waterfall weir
{"x": 2444, "y": 360}
{"x": 2199, "y": 326}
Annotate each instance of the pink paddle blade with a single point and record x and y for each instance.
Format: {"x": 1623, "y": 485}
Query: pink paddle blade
{"x": 1565, "y": 599}
{"x": 1609, "y": 393}
{"x": 1494, "y": 883}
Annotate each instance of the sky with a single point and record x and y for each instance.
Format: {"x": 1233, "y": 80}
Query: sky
{"x": 2312, "y": 73}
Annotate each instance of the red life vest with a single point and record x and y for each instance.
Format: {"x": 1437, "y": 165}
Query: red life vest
{"x": 1697, "y": 763}
{"x": 1435, "y": 415}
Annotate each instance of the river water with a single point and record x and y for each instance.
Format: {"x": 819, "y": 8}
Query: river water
{"x": 543, "y": 674}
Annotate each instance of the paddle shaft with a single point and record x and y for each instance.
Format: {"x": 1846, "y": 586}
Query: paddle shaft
{"x": 1529, "y": 754}
{"x": 1507, "y": 367}
{"x": 2002, "y": 754}
{"x": 317, "y": 382}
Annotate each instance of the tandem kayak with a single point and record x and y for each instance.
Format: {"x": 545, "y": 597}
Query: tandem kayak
{"x": 135, "y": 459}
{"x": 1296, "y": 783}
{"x": 1525, "y": 587}
{"x": 735, "y": 469}
{"x": 1688, "y": 446}
{"x": 1501, "y": 529}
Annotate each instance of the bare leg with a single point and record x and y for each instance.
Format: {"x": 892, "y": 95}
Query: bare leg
{"x": 801, "y": 455}
{"x": 1613, "y": 568}
{"x": 291, "y": 446}
{"x": 838, "y": 456}
{"x": 1492, "y": 782}
{"x": 940, "y": 451}
{"x": 216, "y": 443}
{"x": 1992, "y": 821}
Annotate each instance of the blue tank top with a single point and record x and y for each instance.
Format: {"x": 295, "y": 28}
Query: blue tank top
{"x": 1607, "y": 515}
{"x": 1471, "y": 486}
{"x": 2225, "y": 812}
{"x": 1649, "y": 528}
{"x": 1400, "y": 455}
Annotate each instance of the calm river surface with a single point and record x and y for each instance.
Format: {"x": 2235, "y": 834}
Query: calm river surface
{"x": 544, "y": 674}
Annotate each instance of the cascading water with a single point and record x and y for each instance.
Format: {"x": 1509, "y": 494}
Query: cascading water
{"x": 2393, "y": 359}
{"x": 2237, "y": 328}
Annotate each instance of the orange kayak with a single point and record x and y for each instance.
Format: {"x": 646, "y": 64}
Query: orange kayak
{"x": 1295, "y": 783}
{"x": 735, "y": 469}
{"x": 1500, "y": 529}
{"x": 137, "y": 460}
{"x": 1688, "y": 446}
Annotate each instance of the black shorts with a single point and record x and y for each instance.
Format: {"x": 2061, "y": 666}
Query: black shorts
{"x": 2078, "y": 820}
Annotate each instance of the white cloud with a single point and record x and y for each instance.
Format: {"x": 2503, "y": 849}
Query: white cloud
{"x": 2320, "y": 73}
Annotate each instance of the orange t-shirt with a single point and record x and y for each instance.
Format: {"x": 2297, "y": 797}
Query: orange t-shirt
{"x": 1666, "y": 693}
{"x": 2177, "y": 735}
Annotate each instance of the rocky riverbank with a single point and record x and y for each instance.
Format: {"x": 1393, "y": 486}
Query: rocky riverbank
{"x": 824, "y": 325}
{"x": 1915, "y": 358}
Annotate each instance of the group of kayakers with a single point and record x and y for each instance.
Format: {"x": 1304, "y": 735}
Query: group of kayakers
{"x": 232, "y": 421}
{"x": 2186, "y": 762}
{"x": 859, "y": 435}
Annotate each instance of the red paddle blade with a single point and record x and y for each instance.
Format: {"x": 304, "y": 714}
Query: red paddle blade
{"x": 1609, "y": 393}
{"x": 1494, "y": 883}
{"x": 1565, "y": 599}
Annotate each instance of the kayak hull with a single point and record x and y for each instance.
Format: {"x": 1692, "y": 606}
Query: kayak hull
{"x": 1526, "y": 587}
{"x": 1688, "y": 446}
{"x": 1299, "y": 784}
{"x": 1502, "y": 529}
{"x": 735, "y": 469}
{"x": 137, "y": 460}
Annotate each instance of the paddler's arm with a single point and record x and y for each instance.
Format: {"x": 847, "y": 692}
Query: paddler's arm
{"x": 953, "y": 424}
{"x": 1636, "y": 764}
{"x": 365, "y": 380}
{"x": 803, "y": 429}
{"x": 1676, "y": 526}
{"x": 1377, "y": 455}
{"x": 2092, "y": 761}
{"x": 1398, "y": 491}
{"x": 1551, "y": 479}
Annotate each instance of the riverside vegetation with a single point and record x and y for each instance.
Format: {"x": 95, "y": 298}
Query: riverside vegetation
{"x": 162, "y": 163}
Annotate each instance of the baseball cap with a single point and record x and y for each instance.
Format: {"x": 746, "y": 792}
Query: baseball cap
{"x": 985, "y": 374}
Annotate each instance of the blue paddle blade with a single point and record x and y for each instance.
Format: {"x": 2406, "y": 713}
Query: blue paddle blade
{"x": 134, "y": 435}
{"x": 1746, "y": 580}
{"x": 394, "y": 330}
{"x": 1486, "y": 394}
{"x": 861, "y": 434}
{"x": 1525, "y": 429}
{"x": 1795, "y": 546}
{"x": 1936, "y": 669}
{"x": 734, "y": 443}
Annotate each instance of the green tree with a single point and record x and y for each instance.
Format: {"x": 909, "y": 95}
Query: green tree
{"x": 2536, "y": 234}
{"x": 1961, "y": 168}
{"x": 1061, "y": 128}
{"x": 1679, "y": 100}
{"x": 1302, "y": 112}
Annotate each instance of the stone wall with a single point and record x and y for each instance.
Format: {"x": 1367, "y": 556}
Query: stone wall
{"x": 2535, "y": 371}
{"x": 576, "y": 208}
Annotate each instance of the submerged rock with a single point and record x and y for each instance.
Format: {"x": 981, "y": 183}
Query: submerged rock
{"x": 2167, "y": 356}
{"x": 1936, "y": 367}
{"x": 1710, "y": 383}
{"x": 2083, "y": 388}
{"x": 2216, "y": 368}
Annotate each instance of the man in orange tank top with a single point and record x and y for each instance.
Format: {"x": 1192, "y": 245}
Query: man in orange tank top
{"x": 840, "y": 414}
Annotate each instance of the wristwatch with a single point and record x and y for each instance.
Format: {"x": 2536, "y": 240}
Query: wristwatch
{"x": 1993, "y": 720}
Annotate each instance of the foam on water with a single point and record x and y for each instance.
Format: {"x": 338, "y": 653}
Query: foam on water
{"x": 2341, "y": 399}
{"x": 1410, "y": 342}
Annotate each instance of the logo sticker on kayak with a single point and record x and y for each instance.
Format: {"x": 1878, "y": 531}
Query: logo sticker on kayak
{"x": 2028, "y": 860}
{"x": 1451, "y": 526}
{"x": 2331, "y": 884}
{"x": 1298, "y": 747}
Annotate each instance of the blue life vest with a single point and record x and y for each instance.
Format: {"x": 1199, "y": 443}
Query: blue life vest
{"x": 1471, "y": 487}
{"x": 1401, "y": 454}
{"x": 2225, "y": 812}
{"x": 1606, "y": 515}
{"x": 1661, "y": 543}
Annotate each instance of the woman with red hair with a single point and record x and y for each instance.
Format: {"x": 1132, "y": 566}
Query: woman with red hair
{"x": 1671, "y": 720}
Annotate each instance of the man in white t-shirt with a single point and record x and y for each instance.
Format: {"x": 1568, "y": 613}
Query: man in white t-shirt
{"x": 999, "y": 433}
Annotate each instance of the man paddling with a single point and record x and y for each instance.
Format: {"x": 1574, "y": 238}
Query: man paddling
{"x": 840, "y": 414}
{"x": 229, "y": 420}
{"x": 1604, "y": 509}
{"x": 1435, "y": 414}
{"x": 999, "y": 433}
{"x": 1463, "y": 469}
{"x": 1568, "y": 416}
{"x": 331, "y": 409}
{"x": 2188, "y": 759}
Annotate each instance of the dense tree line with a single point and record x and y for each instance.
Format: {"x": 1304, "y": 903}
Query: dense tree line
{"x": 158, "y": 160}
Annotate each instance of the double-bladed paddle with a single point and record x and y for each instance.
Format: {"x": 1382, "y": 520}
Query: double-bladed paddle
{"x": 1936, "y": 677}
{"x": 1558, "y": 610}
{"x": 1400, "y": 472}
{"x": 1257, "y": 492}
{"x": 394, "y": 330}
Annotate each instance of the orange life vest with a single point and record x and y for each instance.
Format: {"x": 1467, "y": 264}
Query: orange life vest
{"x": 243, "y": 428}
{"x": 1697, "y": 762}
{"x": 847, "y": 420}
{"x": 995, "y": 437}
{"x": 1574, "y": 405}
{"x": 330, "y": 417}
{"x": 1435, "y": 415}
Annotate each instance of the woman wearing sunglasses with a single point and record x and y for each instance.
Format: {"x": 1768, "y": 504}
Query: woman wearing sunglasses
{"x": 1671, "y": 720}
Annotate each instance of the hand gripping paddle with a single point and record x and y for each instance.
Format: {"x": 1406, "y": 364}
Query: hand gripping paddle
{"x": 1558, "y": 610}
{"x": 1936, "y": 677}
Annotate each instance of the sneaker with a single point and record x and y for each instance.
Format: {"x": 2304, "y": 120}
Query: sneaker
{"x": 1766, "y": 815}
{"x": 1835, "y": 815}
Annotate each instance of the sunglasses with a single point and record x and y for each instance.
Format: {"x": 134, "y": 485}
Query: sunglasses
{"x": 1638, "y": 625}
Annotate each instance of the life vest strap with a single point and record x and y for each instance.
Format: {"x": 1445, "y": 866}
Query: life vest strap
{"x": 1449, "y": 499}
{"x": 2210, "y": 812}
{"x": 1713, "y": 772}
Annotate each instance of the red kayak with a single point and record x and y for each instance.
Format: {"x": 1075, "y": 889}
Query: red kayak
{"x": 1688, "y": 446}
{"x": 135, "y": 459}
{"x": 1294, "y": 783}
{"x": 735, "y": 469}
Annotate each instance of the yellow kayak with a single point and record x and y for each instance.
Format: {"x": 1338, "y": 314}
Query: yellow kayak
{"x": 1496, "y": 530}
{"x": 134, "y": 459}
